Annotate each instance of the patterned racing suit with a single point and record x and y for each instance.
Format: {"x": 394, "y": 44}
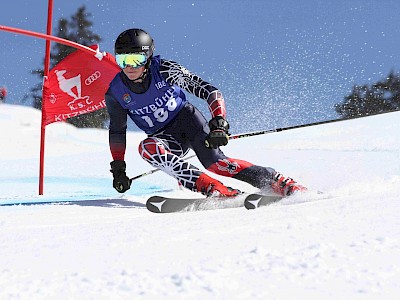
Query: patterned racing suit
{"x": 159, "y": 107}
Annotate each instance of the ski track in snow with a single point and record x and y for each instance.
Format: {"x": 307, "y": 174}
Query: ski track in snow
{"x": 342, "y": 244}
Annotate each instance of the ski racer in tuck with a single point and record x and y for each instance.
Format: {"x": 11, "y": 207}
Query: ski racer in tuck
{"x": 150, "y": 90}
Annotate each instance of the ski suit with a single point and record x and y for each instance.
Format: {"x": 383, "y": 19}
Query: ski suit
{"x": 159, "y": 107}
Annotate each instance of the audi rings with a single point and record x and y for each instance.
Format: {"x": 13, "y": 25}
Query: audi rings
{"x": 92, "y": 78}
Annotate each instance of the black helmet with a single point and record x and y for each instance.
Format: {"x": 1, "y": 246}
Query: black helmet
{"x": 133, "y": 41}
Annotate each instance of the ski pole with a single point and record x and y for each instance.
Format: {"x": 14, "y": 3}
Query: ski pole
{"x": 242, "y": 135}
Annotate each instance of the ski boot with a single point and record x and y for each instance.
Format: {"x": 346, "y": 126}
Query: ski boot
{"x": 285, "y": 186}
{"x": 211, "y": 187}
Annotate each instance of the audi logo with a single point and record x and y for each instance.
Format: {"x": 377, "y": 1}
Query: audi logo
{"x": 92, "y": 78}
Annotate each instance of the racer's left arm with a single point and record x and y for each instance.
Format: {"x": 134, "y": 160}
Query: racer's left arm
{"x": 175, "y": 73}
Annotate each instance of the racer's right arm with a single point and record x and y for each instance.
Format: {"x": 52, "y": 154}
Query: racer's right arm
{"x": 117, "y": 142}
{"x": 117, "y": 129}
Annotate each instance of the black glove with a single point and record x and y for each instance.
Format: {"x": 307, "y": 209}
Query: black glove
{"x": 218, "y": 135}
{"x": 121, "y": 182}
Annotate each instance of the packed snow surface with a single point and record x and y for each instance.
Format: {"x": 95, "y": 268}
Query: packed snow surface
{"x": 341, "y": 244}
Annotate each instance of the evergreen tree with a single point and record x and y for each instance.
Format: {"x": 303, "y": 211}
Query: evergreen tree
{"x": 77, "y": 29}
{"x": 380, "y": 97}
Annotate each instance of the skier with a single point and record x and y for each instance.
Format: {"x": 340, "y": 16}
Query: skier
{"x": 150, "y": 90}
{"x": 3, "y": 94}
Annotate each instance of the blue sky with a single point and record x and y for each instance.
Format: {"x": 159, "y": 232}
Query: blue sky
{"x": 278, "y": 63}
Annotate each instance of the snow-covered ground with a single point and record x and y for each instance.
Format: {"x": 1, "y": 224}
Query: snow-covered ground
{"x": 343, "y": 244}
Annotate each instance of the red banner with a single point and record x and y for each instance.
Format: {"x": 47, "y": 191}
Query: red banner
{"x": 77, "y": 84}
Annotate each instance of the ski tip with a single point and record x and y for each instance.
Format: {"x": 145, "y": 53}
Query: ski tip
{"x": 254, "y": 201}
{"x": 155, "y": 203}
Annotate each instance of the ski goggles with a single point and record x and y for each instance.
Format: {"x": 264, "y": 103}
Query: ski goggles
{"x": 135, "y": 60}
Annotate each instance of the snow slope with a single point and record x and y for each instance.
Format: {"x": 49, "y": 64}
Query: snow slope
{"x": 341, "y": 244}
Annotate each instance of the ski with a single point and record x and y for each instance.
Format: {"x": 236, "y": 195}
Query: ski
{"x": 254, "y": 201}
{"x": 160, "y": 204}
